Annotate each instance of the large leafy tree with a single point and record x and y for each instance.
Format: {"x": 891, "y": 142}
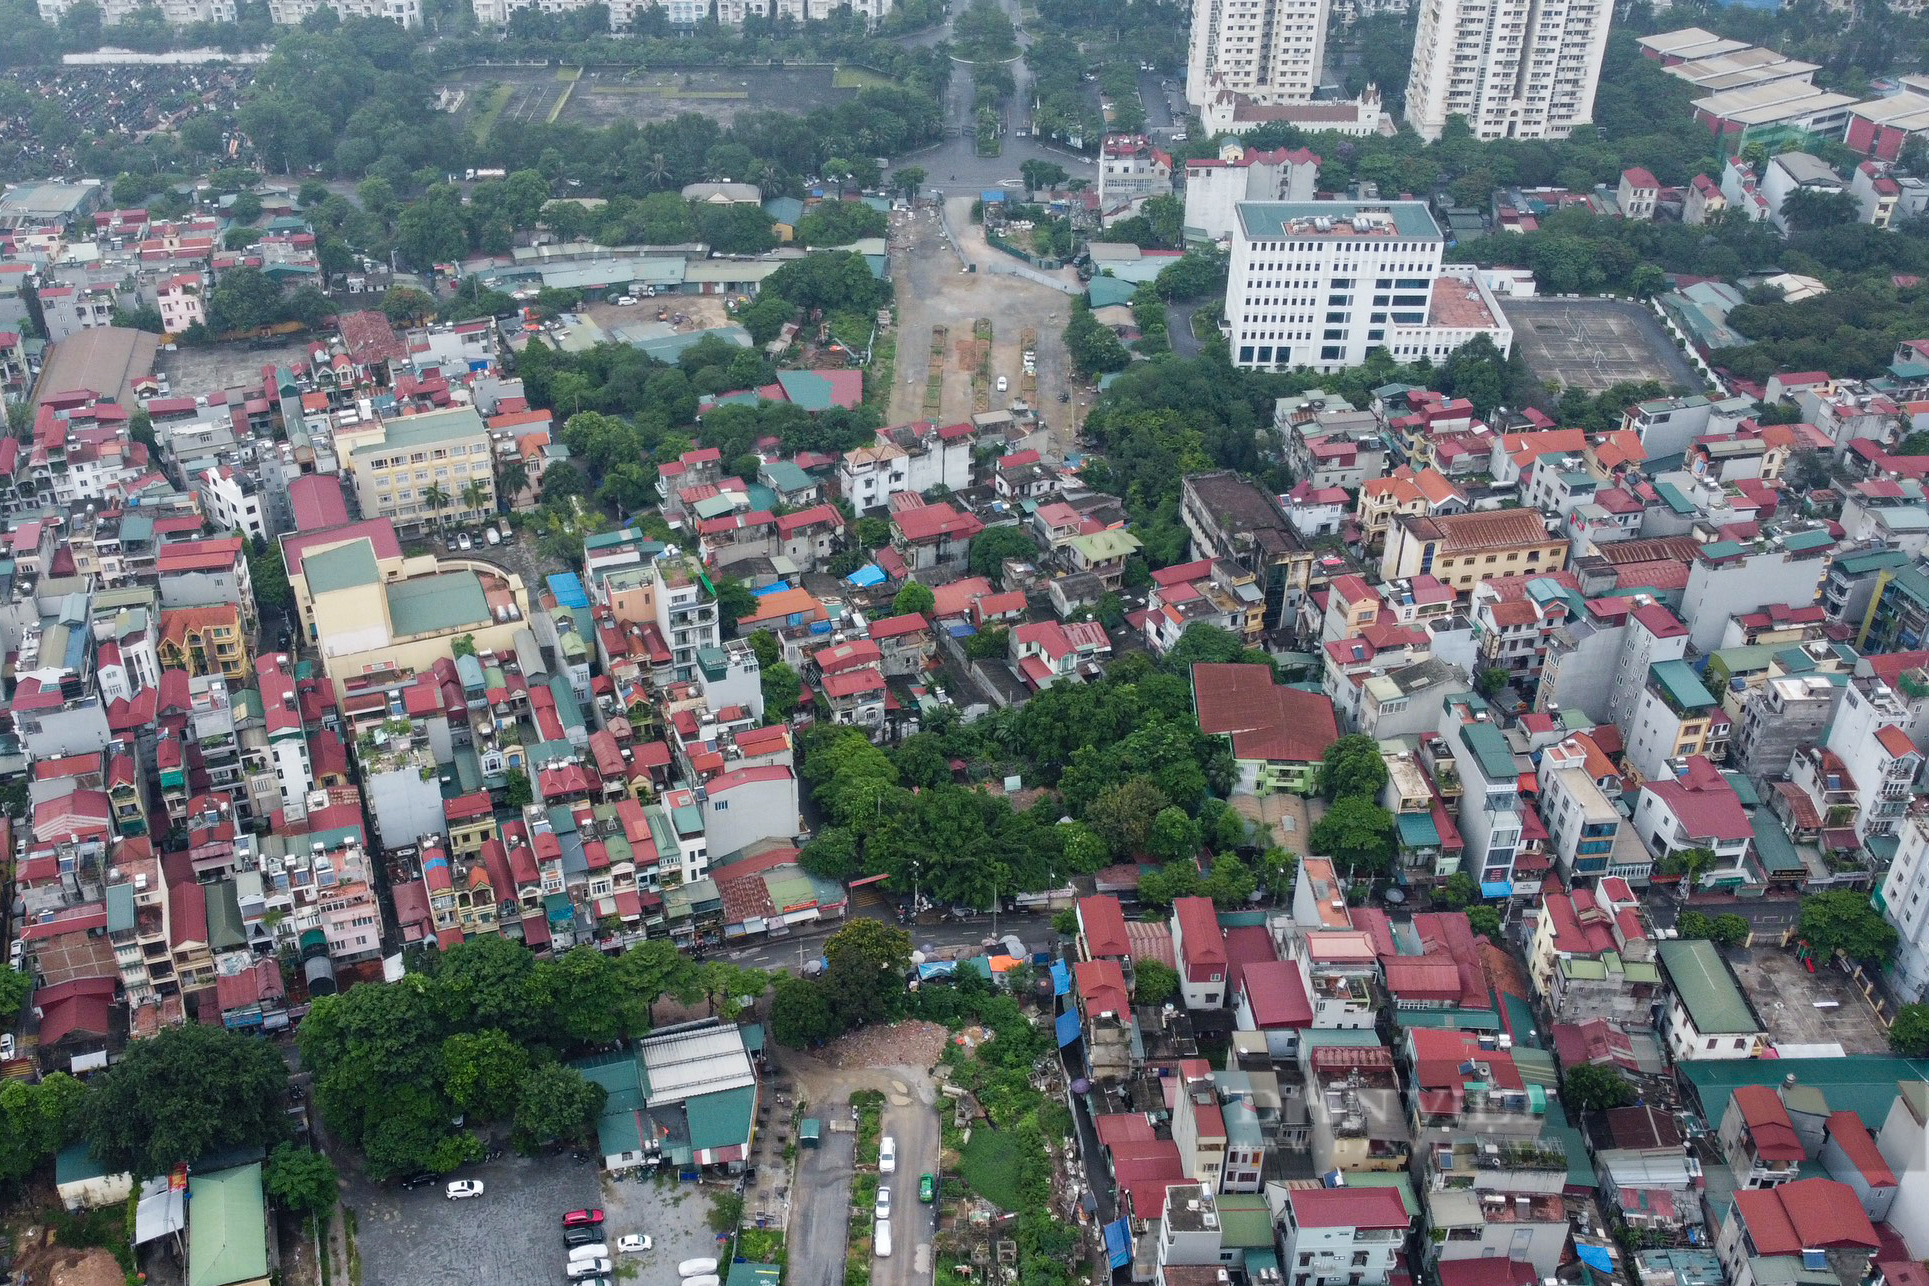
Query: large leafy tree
{"x": 801, "y": 1014}
{"x": 301, "y": 1179}
{"x": 37, "y": 1120}
{"x": 1357, "y": 834}
{"x": 1352, "y": 768}
{"x": 990, "y": 548}
{"x": 1846, "y": 922}
{"x": 865, "y": 964}
{"x": 556, "y": 1102}
{"x": 1909, "y": 1031}
{"x": 1591, "y": 1088}
{"x": 185, "y": 1093}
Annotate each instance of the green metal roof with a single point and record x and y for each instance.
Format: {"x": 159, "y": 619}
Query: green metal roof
{"x": 1098, "y": 546}
{"x": 785, "y": 475}
{"x": 1490, "y": 748}
{"x": 1706, "y": 988}
{"x": 225, "y": 930}
{"x": 1449, "y": 1019}
{"x": 807, "y": 389}
{"x": 745, "y": 1273}
{"x": 340, "y": 567}
{"x": 1418, "y": 831}
{"x": 406, "y": 431}
{"x": 75, "y": 1163}
{"x": 1681, "y": 684}
{"x": 1244, "y": 1219}
{"x": 1267, "y": 220}
{"x": 1803, "y": 541}
{"x": 1870, "y": 560}
{"x": 227, "y": 1227}
{"x": 1866, "y": 1084}
{"x": 120, "y": 907}
{"x": 722, "y": 1119}
{"x": 437, "y": 604}
{"x": 1104, "y": 292}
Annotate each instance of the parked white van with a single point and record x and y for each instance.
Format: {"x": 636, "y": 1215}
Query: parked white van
{"x": 881, "y": 1239}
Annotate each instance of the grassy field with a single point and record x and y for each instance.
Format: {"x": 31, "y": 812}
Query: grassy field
{"x": 989, "y": 1167}
{"x": 569, "y": 73}
{"x": 858, "y": 78}
{"x": 484, "y": 120}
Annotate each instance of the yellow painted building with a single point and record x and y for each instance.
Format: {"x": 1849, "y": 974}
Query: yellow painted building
{"x": 1462, "y": 550}
{"x": 374, "y": 629}
{"x": 401, "y": 465}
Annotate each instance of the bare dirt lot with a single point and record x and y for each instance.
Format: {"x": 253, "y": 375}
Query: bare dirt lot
{"x": 932, "y": 290}
{"x": 1786, "y": 996}
{"x": 1594, "y": 344}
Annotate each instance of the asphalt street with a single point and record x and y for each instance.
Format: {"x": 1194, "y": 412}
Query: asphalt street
{"x": 954, "y": 164}
{"x": 792, "y": 952}
{"x": 914, "y": 1125}
{"x": 821, "y": 1202}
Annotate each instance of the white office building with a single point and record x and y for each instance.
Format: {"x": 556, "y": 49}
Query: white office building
{"x": 1513, "y": 68}
{"x": 1269, "y": 50}
{"x": 1321, "y": 284}
{"x": 403, "y": 13}
{"x": 684, "y": 13}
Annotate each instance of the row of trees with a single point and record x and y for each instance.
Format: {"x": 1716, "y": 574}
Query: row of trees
{"x": 412, "y": 1073}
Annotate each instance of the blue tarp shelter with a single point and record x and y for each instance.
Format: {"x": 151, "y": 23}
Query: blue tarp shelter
{"x": 1067, "y": 1028}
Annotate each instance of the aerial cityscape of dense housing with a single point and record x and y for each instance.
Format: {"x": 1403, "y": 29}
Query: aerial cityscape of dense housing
{"x": 1240, "y": 643}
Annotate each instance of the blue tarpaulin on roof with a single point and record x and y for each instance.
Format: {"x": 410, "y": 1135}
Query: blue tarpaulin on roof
{"x": 1067, "y": 1028}
{"x": 1496, "y": 889}
{"x": 775, "y": 587}
{"x": 991, "y": 195}
{"x": 568, "y": 589}
{"x": 1595, "y": 1257}
{"x": 866, "y": 576}
{"x": 1061, "y": 978}
{"x": 1118, "y": 1243}
{"x": 937, "y": 969}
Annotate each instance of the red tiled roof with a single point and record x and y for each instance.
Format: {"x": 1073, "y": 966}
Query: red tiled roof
{"x": 1276, "y": 991}
{"x": 1849, "y": 1134}
{"x": 1102, "y": 921}
{"x": 1265, "y": 721}
{"x": 1379, "y": 1208}
{"x": 1768, "y": 1123}
{"x": 1809, "y": 1214}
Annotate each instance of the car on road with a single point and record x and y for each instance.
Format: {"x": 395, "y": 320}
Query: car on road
{"x": 582, "y": 1218}
{"x": 462, "y": 1188}
{"x": 463, "y": 542}
{"x": 634, "y": 1244}
{"x": 1003, "y": 383}
{"x": 887, "y": 1155}
{"x": 882, "y": 1211}
{"x": 582, "y": 1235}
{"x": 927, "y": 1188}
{"x": 626, "y": 301}
{"x": 587, "y": 1268}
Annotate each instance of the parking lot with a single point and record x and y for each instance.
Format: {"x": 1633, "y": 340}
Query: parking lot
{"x": 674, "y": 1216}
{"x": 1802, "y": 1008}
{"x": 509, "y": 1236}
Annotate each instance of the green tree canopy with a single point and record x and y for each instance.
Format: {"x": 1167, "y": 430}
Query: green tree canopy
{"x": 185, "y": 1093}
{"x": 1153, "y": 982}
{"x": 914, "y": 598}
{"x": 1357, "y": 834}
{"x": 1591, "y": 1088}
{"x": 1846, "y": 922}
{"x": 301, "y": 1179}
{"x": 1352, "y": 768}
{"x": 1909, "y": 1031}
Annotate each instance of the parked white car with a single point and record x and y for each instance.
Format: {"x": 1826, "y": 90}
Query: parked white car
{"x": 634, "y": 1244}
{"x": 696, "y": 1268}
{"x": 882, "y": 1211}
{"x": 1003, "y": 383}
{"x": 887, "y": 1155}
{"x": 463, "y": 1188}
{"x": 582, "y": 1268}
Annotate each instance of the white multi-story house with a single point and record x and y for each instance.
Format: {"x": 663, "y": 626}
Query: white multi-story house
{"x": 232, "y": 500}
{"x": 1130, "y": 168}
{"x": 907, "y": 457}
{"x": 1512, "y": 68}
{"x": 404, "y": 13}
{"x": 1324, "y": 283}
{"x": 1216, "y": 185}
{"x": 1871, "y": 736}
{"x": 1269, "y": 50}
{"x": 1490, "y": 810}
{"x": 1582, "y": 822}
{"x": 1339, "y": 1236}
{"x": 1904, "y": 899}
{"x": 182, "y": 302}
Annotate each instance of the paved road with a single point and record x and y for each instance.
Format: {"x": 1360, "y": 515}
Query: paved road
{"x": 821, "y": 1201}
{"x": 807, "y": 944}
{"x": 914, "y": 1124}
{"x": 1178, "y": 320}
{"x": 954, "y": 165}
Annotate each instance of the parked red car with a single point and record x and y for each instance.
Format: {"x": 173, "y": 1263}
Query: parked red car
{"x": 582, "y": 1218}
